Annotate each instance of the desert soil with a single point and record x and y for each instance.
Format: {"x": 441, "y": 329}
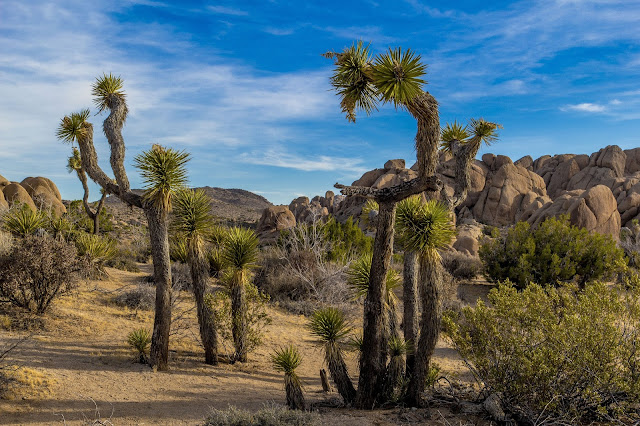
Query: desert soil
{"x": 83, "y": 369}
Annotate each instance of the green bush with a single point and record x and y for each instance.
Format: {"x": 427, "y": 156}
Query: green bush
{"x": 270, "y": 415}
{"x": 140, "y": 340}
{"x": 257, "y": 317}
{"x": 346, "y": 240}
{"x": 98, "y": 250}
{"x": 562, "y": 354}
{"x": 83, "y": 223}
{"x": 22, "y": 221}
{"x": 552, "y": 253}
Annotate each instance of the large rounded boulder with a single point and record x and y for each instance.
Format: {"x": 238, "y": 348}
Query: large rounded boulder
{"x": 14, "y": 193}
{"x": 275, "y": 219}
{"x": 44, "y": 194}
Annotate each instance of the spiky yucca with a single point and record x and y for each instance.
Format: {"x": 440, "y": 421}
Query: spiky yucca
{"x": 240, "y": 253}
{"x": 474, "y": 133}
{"x": 97, "y": 249}
{"x": 287, "y": 359}
{"x": 178, "y": 250}
{"x": 60, "y": 227}
{"x": 140, "y": 340}
{"x": 105, "y": 88}
{"x": 163, "y": 173}
{"x": 331, "y": 327}
{"x": 22, "y": 221}
{"x": 72, "y": 127}
{"x": 394, "y": 376}
{"x": 192, "y": 221}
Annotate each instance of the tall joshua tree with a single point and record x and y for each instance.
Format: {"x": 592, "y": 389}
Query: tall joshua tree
{"x": 240, "y": 254}
{"x": 163, "y": 171}
{"x": 362, "y": 82}
{"x": 193, "y": 221}
{"x": 74, "y": 163}
{"x": 425, "y": 228}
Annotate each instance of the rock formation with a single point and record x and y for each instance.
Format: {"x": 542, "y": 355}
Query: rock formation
{"x": 275, "y": 219}
{"x": 35, "y": 192}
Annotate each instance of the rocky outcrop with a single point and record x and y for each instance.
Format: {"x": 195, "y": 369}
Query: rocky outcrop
{"x": 44, "y": 194}
{"x": 15, "y": 193}
{"x": 275, "y": 219}
{"x": 3, "y": 182}
{"x": 467, "y": 239}
{"x": 3, "y": 203}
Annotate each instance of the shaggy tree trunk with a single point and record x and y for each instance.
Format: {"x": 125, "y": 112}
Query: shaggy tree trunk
{"x": 339, "y": 373}
{"x": 411, "y": 306}
{"x": 112, "y": 127}
{"x": 239, "y": 314}
{"x": 94, "y": 216}
{"x": 159, "y": 236}
{"x": 430, "y": 283}
{"x": 295, "y": 397}
{"x": 208, "y": 333}
{"x": 373, "y": 357}
{"x": 394, "y": 372}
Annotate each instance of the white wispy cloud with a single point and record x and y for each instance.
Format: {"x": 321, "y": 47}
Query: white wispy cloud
{"x": 585, "y": 107}
{"x": 223, "y": 10}
{"x": 323, "y": 163}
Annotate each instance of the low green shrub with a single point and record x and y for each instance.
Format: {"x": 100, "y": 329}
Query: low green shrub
{"x": 22, "y": 221}
{"x": 270, "y": 415}
{"x": 563, "y": 354}
{"x": 256, "y": 319}
{"x": 98, "y": 250}
{"x": 552, "y": 253}
{"x": 140, "y": 340}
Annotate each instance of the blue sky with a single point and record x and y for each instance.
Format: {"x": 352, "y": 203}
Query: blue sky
{"x": 242, "y": 85}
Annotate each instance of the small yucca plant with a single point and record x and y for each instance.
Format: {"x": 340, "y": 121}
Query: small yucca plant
{"x": 178, "y": 250}
{"x": 394, "y": 382}
{"x": 60, "y": 227}
{"x": 23, "y": 221}
{"x": 216, "y": 262}
{"x": 97, "y": 249}
{"x": 140, "y": 340}
{"x": 331, "y": 327}
{"x": 287, "y": 359}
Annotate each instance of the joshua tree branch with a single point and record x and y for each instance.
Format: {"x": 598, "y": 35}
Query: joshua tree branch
{"x": 112, "y": 127}
{"x": 424, "y": 108}
{"x": 464, "y": 153}
{"x": 394, "y": 193}
{"x": 89, "y": 159}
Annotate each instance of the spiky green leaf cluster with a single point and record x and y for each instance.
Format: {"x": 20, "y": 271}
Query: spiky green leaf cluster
{"x": 358, "y": 278}
{"x": 23, "y": 221}
{"x": 139, "y": 340}
{"x": 104, "y": 87}
{"x": 484, "y": 131}
{"x": 163, "y": 173}
{"x": 240, "y": 249}
{"x": 74, "y": 162}
{"x": 192, "y": 212}
{"x": 424, "y": 227}
{"x": 178, "y": 250}
{"x": 72, "y": 127}
{"x": 476, "y": 132}
{"x": 352, "y": 80}
{"x": 329, "y": 325}
{"x": 398, "y": 346}
{"x": 397, "y": 76}
{"x": 98, "y": 249}
{"x": 286, "y": 359}
{"x": 453, "y": 132}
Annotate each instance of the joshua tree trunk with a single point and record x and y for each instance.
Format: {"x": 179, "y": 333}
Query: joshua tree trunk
{"x": 340, "y": 374}
{"x": 208, "y": 333}
{"x": 94, "y": 216}
{"x": 392, "y": 376}
{"x": 295, "y": 397}
{"x": 411, "y": 306}
{"x": 429, "y": 325}
{"x": 239, "y": 314}
{"x": 373, "y": 357}
{"x": 159, "y": 236}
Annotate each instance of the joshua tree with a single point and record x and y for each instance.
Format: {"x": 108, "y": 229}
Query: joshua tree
{"x": 163, "y": 171}
{"x": 425, "y": 228}
{"x": 330, "y": 327}
{"x": 287, "y": 359}
{"x": 192, "y": 221}
{"x": 398, "y": 348}
{"x": 240, "y": 254}
{"x": 75, "y": 164}
{"x": 362, "y": 82}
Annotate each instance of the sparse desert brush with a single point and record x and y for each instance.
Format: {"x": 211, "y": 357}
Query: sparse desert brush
{"x": 98, "y": 250}
{"x": 38, "y": 270}
{"x": 287, "y": 359}
{"x": 461, "y": 266}
{"x": 565, "y": 355}
{"x": 25, "y": 382}
{"x": 6, "y": 242}
{"x": 22, "y": 221}
{"x": 270, "y": 415}
{"x": 139, "y": 297}
{"x": 140, "y": 340}
{"x": 124, "y": 259}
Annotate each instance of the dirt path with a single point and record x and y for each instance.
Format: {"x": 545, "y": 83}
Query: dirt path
{"x": 83, "y": 353}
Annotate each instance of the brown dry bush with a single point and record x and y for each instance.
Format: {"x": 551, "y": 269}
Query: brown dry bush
{"x": 38, "y": 270}
{"x": 461, "y": 266}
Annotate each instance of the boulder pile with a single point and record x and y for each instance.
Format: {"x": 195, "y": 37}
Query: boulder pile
{"x": 35, "y": 192}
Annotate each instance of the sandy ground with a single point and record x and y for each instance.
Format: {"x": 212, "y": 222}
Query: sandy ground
{"x": 85, "y": 363}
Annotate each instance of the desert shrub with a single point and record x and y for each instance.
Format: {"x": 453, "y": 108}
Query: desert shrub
{"x": 270, "y": 415}
{"x": 555, "y": 353}
{"x": 6, "y": 242}
{"x": 181, "y": 276}
{"x": 553, "y": 252}
{"x": 22, "y": 221}
{"x": 178, "y": 250}
{"x": 141, "y": 296}
{"x": 98, "y": 250}
{"x": 461, "y": 266}
{"x": 346, "y": 240}
{"x": 216, "y": 262}
{"x": 83, "y": 223}
{"x": 256, "y": 317}
{"x": 60, "y": 227}
{"x": 124, "y": 259}
{"x": 38, "y": 270}
{"x": 140, "y": 340}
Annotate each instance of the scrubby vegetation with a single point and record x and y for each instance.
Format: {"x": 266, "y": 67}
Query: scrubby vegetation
{"x": 140, "y": 340}
{"x": 555, "y": 354}
{"x": 37, "y": 270}
{"x": 550, "y": 254}
{"x": 273, "y": 415}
